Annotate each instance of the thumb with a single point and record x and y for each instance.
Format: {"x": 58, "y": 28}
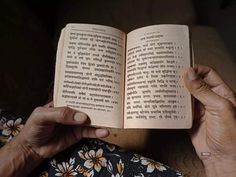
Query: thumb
{"x": 200, "y": 89}
{"x": 61, "y": 115}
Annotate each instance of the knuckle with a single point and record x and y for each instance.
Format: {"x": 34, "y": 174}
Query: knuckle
{"x": 64, "y": 112}
{"x": 201, "y": 88}
{"x": 37, "y": 110}
{"x": 85, "y": 133}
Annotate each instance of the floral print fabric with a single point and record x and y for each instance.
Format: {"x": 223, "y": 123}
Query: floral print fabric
{"x": 88, "y": 158}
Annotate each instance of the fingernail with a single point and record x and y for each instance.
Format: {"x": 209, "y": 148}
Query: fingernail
{"x": 192, "y": 75}
{"x": 80, "y": 117}
{"x": 102, "y": 133}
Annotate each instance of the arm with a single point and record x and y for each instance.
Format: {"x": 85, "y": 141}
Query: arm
{"x": 17, "y": 159}
{"x": 47, "y": 132}
{"x": 214, "y": 132}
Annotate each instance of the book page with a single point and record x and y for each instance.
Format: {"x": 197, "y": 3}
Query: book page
{"x": 60, "y": 46}
{"x": 156, "y": 57}
{"x": 89, "y": 73}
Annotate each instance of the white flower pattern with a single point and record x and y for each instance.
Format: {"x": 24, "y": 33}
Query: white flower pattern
{"x": 65, "y": 169}
{"x": 94, "y": 160}
{"x": 12, "y": 128}
{"x": 152, "y": 165}
{"x": 92, "y": 157}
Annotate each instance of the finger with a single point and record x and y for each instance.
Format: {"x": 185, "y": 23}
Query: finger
{"x": 201, "y": 90}
{"x": 62, "y": 115}
{"x": 199, "y": 110}
{"x": 90, "y": 132}
{"x": 199, "y": 118}
{"x": 49, "y": 105}
{"x": 208, "y": 75}
{"x": 215, "y": 82}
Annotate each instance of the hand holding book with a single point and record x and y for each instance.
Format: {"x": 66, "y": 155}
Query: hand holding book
{"x": 214, "y": 130}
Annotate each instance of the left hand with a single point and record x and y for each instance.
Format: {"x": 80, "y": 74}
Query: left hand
{"x": 50, "y": 130}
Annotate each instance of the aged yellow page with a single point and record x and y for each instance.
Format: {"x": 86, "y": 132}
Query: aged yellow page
{"x": 89, "y": 73}
{"x": 155, "y": 96}
{"x": 58, "y": 64}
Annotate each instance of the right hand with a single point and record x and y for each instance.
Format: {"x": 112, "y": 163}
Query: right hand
{"x": 214, "y": 132}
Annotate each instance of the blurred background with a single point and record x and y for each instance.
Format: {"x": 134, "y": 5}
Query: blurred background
{"x": 37, "y": 23}
{"x": 220, "y": 14}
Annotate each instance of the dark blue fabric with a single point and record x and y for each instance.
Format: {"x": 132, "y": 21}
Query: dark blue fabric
{"x": 88, "y": 158}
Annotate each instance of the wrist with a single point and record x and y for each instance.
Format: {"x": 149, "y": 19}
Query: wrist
{"x": 220, "y": 166}
{"x": 17, "y": 158}
{"x": 26, "y": 150}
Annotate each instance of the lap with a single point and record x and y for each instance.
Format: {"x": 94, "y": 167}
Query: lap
{"x": 89, "y": 157}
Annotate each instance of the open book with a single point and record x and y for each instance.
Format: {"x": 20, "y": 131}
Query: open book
{"x": 125, "y": 81}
